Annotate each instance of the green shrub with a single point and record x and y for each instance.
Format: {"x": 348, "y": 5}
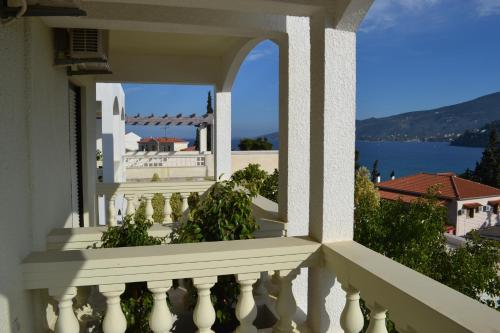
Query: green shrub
{"x": 158, "y": 203}
{"x": 137, "y": 300}
{"x": 224, "y": 214}
{"x": 156, "y": 178}
{"x": 257, "y": 180}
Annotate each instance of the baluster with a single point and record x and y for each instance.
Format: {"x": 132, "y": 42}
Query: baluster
{"x": 246, "y": 310}
{"x": 66, "y": 321}
{"x": 111, "y": 211}
{"x": 160, "y": 319}
{"x": 351, "y": 319}
{"x": 149, "y": 207}
{"x": 130, "y": 204}
{"x": 204, "y": 313}
{"x": 286, "y": 307}
{"x": 114, "y": 319}
{"x": 185, "y": 204}
{"x": 377, "y": 320}
{"x": 260, "y": 288}
{"x": 167, "y": 210}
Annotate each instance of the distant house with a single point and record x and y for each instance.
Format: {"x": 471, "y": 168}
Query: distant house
{"x": 162, "y": 144}
{"x": 132, "y": 141}
{"x": 470, "y": 205}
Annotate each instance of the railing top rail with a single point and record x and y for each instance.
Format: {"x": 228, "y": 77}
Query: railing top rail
{"x": 153, "y": 187}
{"x": 52, "y": 269}
{"x": 416, "y": 303}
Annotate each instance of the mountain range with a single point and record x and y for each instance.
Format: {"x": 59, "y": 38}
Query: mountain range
{"x": 440, "y": 124}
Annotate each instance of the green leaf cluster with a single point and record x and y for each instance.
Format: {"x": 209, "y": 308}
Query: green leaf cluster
{"x": 258, "y": 181}
{"x": 224, "y": 213}
{"x": 412, "y": 234}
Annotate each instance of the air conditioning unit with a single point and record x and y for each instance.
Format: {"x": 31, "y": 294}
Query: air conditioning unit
{"x": 88, "y": 44}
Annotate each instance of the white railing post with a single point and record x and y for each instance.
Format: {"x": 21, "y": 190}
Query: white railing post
{"x": 167, "y": 209}
{"x": 351, "y": 319}
{"x": 160, "y": 319}
{"x": 185, "y": 204}
{"x": 286, "y": 306}
{"x": 204, "y": 312}
{"x": 111, "y": 211}
{"x": 246, "y": 310}
{"x": 114, "y": 319}
{"x": 377, "y": 320}
{"x": 66, "y": 321}
{"x": 130, "y": 204}
{"x": 149, "y": 207}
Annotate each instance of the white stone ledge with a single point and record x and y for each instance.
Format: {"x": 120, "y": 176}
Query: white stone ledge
{"x": 414, "y": 302}
{"x": 54, "y": 269}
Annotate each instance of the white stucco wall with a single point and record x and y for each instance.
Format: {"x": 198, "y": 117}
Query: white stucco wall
{"x": 35, "y": 181}
{"x": 268, "y": 160}
{"x": 480, "y": 220}
{"x": 113, "y": 130}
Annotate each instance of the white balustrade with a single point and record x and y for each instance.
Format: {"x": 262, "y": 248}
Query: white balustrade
{"x": 160, "y": 320}
{"x": 351, "y": 320}
{"x": 149, "y": 207}
{"x": 111, "y": 211}
{"x": 66, "y": 321}
{"x": 185, "y": 204}
{"x": 167, "y": 210}
{"x": 377, "y": 320}
{"x": 130, "y": 204}
{"x": 286, "y": 307}
{"x": 114, "y": 319}
{"x": 246, "y": 310}
{"x": 204, "y": 312}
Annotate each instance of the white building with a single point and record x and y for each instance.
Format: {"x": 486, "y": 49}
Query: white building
{"x": 48, "y": 198}
{"x": 132, "y": 141}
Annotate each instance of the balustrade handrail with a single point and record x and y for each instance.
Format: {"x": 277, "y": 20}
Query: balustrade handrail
{"x": 134, "y": 188}
{"x": 415, "y": 302}
{"x": 56, "y": 269}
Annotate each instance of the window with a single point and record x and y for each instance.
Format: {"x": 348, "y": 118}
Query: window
{"x": 471, "y": 212}
{"x": 495, "y": 209}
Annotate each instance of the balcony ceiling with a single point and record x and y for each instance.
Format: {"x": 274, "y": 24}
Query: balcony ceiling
{"x": 165, "y": 43}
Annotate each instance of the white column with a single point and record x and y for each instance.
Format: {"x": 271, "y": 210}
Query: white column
{"x": 377, "y": 320}
{"x": 222, "y": 149}
{"x": 185, "y": 203}
{"x": 149, "y": 207}
{"x": 66, "y": 321}
{"x": 160, "y": 319}
{"x": 111, "y": 213}
{"x": 130, "y": 204}
{"x": 114, "y": 319}
{"x": 167, "y": 209}
{"x": 246, "y": 310}
{"x": 204, "y": 313}
{"x": 294, "y": 130}
{"x": 203, "y": 138}
{"x": 286, "y": 307}
{"x": 333, "y": 91}
{"x": 351, "y": 319}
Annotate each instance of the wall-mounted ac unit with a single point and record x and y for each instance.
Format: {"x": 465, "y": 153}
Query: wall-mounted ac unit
{"x": 88, "y": 44}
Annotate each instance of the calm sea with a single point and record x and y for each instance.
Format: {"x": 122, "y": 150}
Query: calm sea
{"x": 407, "y": 158}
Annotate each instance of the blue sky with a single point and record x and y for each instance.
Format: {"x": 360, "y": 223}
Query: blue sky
{"x": 412, "y": 55}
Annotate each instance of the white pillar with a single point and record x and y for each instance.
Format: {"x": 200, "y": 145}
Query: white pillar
{"x": 66, "y": 321}
{"x": 222, "y": 135}
{"x": 286, "y": 306}
{"x": 294, "y": 136}
{"x": 160, "y": 319}
{"x": 204, "y": 312}
{"x": 114, "y": 319}
{"x": 203, "y": 139}
{"x": 246, "y": 310}
{"x": 149, "y": 207}
{"x": 331, "y": 214}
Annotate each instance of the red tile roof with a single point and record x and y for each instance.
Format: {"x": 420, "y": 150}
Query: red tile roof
{"x": 471, "y": 205}
{"x": 451, "y": 186}
{"x": 162, "y": 140}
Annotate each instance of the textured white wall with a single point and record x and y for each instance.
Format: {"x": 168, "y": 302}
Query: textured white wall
{"x": 113, "y": 130}
{"x": 333, "y": 108}
{"x": 222, "y": 135}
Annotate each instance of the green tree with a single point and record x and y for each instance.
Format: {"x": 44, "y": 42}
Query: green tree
{"x": 412, "y": 234}
{"x": 98, "y": 155}
{"x": 375, "y": 172}
{"x": 209, "y": 103}
{"x": 488, "y": 169}
{"x": 255, "y": 144}
{"x": 258, "y": 180}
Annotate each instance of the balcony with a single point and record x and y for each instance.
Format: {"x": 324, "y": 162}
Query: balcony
{"x": 415, "y": 303}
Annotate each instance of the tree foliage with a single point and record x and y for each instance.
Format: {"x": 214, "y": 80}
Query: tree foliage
{"x": 224, "y": 213}
{"x": 255, "y": 144}
{"x": 412, "y": 234}
{"x": 487, "y": 170}
{"x": 258, "y": 180}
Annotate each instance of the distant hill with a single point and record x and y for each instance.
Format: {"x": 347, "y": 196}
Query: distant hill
{"x": 477, "y": 138}
{"x": 441, "y": 124}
